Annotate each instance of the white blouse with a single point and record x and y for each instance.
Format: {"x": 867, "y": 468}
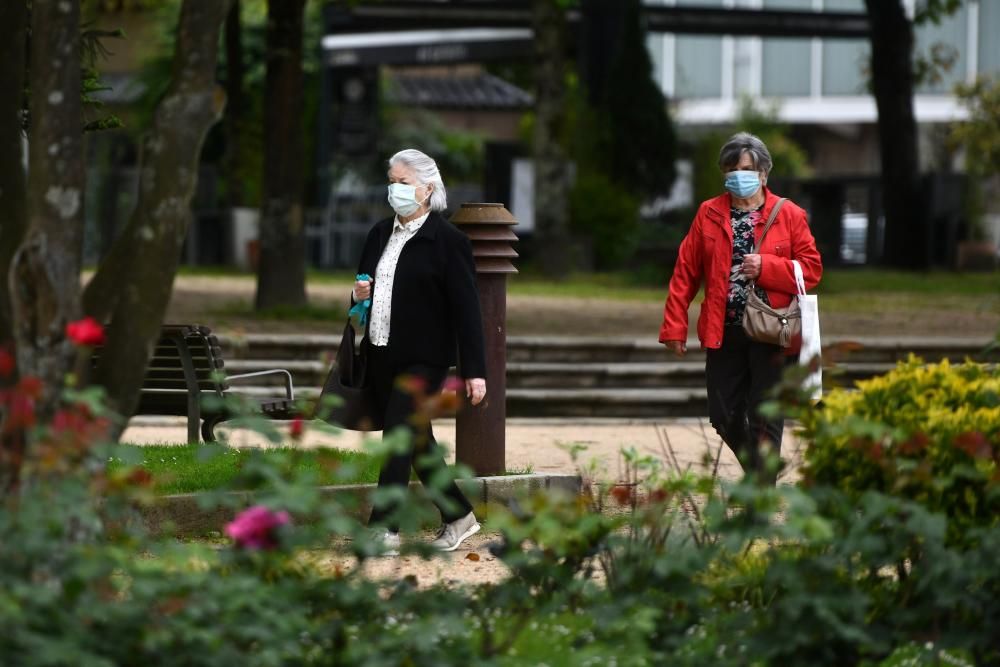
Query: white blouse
{"x": 385, "y": 273}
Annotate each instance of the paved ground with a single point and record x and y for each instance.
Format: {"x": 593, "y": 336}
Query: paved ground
{"x": 535, "y": 444}
{"x": 538, "y": 445}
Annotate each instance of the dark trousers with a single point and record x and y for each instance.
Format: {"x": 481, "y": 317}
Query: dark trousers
{"x": 399, "y": 404}
{"x": 739, "y": 375}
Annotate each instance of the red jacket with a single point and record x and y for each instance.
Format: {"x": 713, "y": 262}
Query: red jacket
{"x": 706, "y": 255}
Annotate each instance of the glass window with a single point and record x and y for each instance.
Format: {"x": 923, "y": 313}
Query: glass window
{"x": 786, "y": 63}
{"x": 699, "y": 66}
{"x": 989, "y": 45}
{"x": 698, "y": 61}
{"x": 654, "y": 46}
{"x": 786, "y": 67}
{"x": 845, "y": 61}
{"x": 951, "y": 39}
{"x": 845, "y": 66}
{"x": 844, "y": 5}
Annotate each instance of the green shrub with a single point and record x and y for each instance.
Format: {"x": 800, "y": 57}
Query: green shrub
{"x": 928, "y": 432}
{"x": 607, "y": 214}
{"x": 679, "y": 570}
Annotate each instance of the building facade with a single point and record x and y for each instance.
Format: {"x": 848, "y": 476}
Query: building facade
{"x": 821, "y": 83}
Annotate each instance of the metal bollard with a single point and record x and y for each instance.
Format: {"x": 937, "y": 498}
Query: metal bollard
{"x": 480, "y": 433}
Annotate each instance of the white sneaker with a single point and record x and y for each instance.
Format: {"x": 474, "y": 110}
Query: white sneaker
{"x": 451, "y": 535}
{"x": 386, "y": 542}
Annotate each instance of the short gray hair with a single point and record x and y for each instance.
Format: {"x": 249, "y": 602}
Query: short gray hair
{"x": 426, "y": 170}
{"x": 744, "y": 142}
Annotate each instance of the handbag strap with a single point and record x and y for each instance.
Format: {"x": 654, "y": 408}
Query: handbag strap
{"x": 770, "y": 221}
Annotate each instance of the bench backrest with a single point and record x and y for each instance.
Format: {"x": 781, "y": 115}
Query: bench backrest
{"x": 165, "y": 371}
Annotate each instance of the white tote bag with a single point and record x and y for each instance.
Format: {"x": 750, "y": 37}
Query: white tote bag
{"x": 811, "y": 346}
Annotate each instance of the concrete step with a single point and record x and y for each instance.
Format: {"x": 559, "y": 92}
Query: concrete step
{"x": 605, "y": 375}
{"x": 567, "y": 349}
{"x": 690, "y": 402}
{"x": 530, "y": 375}
{"x": 665, "y": 400}
{"x": 519, "y": 375}
{"x": 573, "y": 402}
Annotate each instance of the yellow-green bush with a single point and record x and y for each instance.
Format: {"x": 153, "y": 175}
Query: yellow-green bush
{"x": 928, "y": 432}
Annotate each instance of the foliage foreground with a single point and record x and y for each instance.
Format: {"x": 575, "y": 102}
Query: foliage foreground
{"x": 660, "y": 568}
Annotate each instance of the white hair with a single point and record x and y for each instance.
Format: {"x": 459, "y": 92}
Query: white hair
{"x": 426, "y": 171}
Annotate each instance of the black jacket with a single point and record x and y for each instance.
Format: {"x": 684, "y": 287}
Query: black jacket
{"x": 435, "y": 301}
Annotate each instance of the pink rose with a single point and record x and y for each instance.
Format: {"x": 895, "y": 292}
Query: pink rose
{"x": 254, "y": 528}
{"x": 455, "y": 384}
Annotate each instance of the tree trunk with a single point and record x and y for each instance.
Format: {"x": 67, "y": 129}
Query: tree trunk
{"x": 45, "y": 270}
{"x": 907, "y": 241}
{"x": 134, "y": 283}
{"x": 551, "y": 165}
{"x": 235, "y": 72}
{"x": 281, "y": 276}
{"x": 13, "y": 216}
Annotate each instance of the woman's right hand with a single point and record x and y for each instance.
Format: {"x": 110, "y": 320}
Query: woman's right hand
{"x": 362, "y": 290}
{"x": 678, "y": 347}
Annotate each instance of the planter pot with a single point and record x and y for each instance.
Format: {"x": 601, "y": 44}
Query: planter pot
{"x": 976, "y": 256}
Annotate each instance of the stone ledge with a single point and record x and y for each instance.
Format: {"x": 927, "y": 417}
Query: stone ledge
{"x": 187, "y": 518}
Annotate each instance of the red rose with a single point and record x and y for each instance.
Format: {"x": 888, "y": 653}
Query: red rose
{"x": 86, "y": 332}
{"x": 140, "y": 477}
{"x": 29, "y": 386}
{"x": 7, "y": 362}
{"x": 296, "y": 428}
{"x": 623, "y": 494}
{"x": 69, "y": 421}
{"x": 20, "y": 413}
{"x": 974, "y": 444}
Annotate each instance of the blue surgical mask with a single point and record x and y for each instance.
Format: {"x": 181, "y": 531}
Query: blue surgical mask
{"x": 403, "y": 199}
{"x": 742, "y": 184}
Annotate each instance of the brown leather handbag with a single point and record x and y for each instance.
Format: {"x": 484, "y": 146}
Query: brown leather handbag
{"x": 346, "y": 399}
{"x": 761, "y": 322}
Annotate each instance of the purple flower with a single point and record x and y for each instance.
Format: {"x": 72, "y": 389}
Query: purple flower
{"x": 255, "y": 528}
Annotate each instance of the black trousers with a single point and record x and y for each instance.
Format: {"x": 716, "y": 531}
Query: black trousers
{"x": 739, "y": 375}
{"x": 398, "y": 404}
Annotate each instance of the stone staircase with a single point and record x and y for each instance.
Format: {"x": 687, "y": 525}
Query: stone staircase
{"x": 556, "y": 376}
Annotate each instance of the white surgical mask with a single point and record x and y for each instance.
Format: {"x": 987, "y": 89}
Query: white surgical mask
{"x": 403, "y": 199}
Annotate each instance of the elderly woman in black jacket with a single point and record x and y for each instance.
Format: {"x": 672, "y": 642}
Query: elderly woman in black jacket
{"x": 424, "y": 305}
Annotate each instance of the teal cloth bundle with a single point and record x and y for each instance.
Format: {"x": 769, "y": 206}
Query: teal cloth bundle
{"x": 359, "y": 311}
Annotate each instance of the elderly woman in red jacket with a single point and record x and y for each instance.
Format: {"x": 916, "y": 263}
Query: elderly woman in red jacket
{"x": 718, "y": 252}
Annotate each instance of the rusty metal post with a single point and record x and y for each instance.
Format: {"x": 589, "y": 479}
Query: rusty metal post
{"x": 480, "y": 433}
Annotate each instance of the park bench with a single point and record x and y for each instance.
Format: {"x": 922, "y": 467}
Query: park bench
{"x": 187, "y": 367}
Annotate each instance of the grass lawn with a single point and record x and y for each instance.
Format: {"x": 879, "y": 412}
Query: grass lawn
{"x": 853, "y": 282}
{"x": 873, "y": 301}
{"x": 189, "y": 468}
{"x": 624, "y": 285}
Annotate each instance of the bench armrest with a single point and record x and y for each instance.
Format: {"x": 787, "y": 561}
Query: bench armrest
{"x": 289, "y": 389}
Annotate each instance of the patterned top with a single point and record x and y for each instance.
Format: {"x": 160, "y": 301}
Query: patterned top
{"x": 385, "y": 273}
{"x": 736, "y": 300}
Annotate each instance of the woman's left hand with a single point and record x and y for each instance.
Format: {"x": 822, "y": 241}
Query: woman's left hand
{"x": 475, "y": 390}
{"x": 751, "y": 266}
